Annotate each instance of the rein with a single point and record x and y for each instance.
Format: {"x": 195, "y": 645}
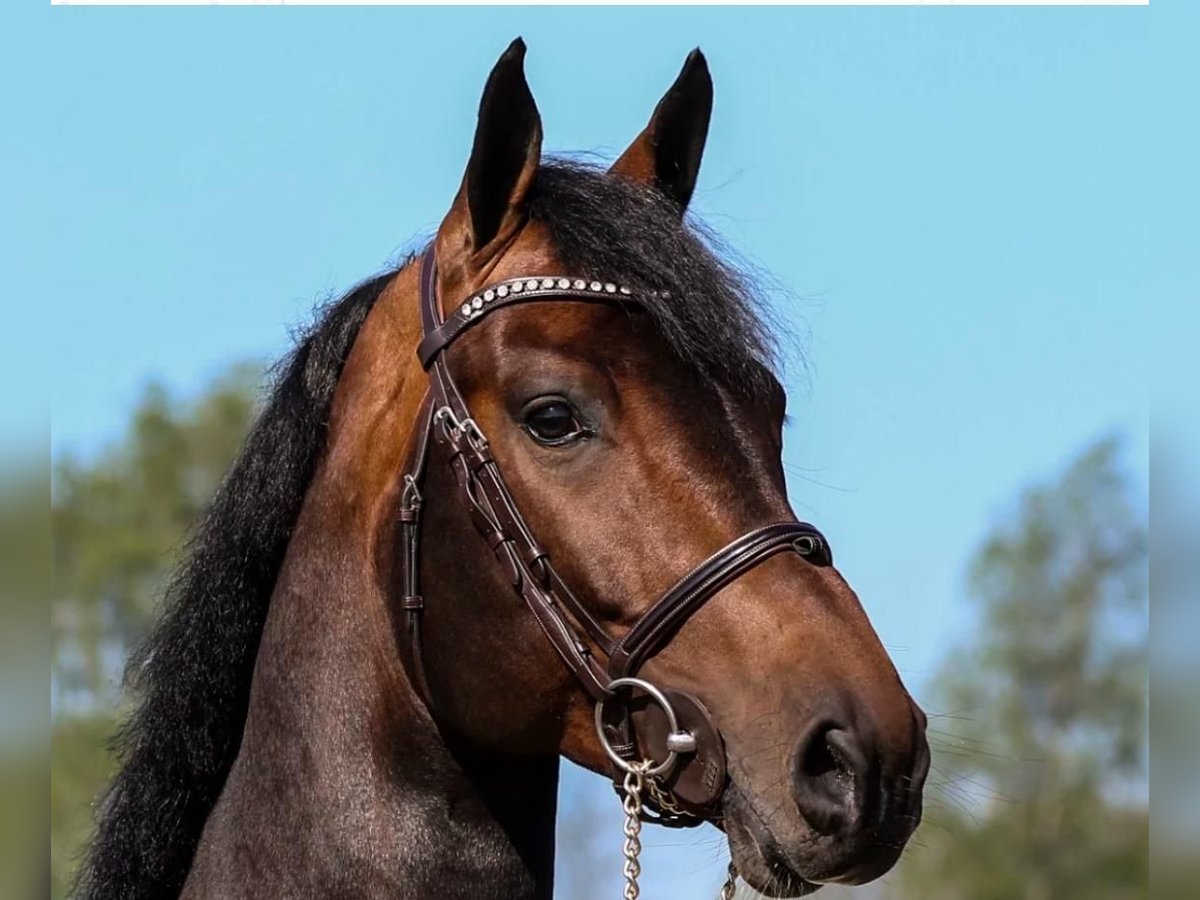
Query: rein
{"x": 672, "y": 770}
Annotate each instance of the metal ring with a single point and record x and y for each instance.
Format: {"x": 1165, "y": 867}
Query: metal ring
{"x": 658, "y": 697}
{"x": 410, "y": 497}
{"x": 805, "y": 545}
{"x": 445, "y": 417}
{"x": 453, "y": 427}
{"x": 473, "y": 433}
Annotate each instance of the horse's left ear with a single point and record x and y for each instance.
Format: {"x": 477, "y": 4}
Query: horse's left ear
{"x": 667, "y": 153}
{"x": 490, "y": 205}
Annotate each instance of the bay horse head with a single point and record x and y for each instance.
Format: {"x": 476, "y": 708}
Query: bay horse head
{"x": 522, "y": 498}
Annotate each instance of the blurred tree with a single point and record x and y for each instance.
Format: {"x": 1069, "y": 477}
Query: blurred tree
{"x": 80, "y": 767}
{"x": 1048, "y": 721}
{"x": 117, "y": 523}
{"x": 24, "y": 651}
{"x": 118, "y": 520}
{"x": 1175, "y": 666}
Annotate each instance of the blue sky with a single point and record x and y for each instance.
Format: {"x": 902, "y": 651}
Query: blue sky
{"x": 976, "y": 214}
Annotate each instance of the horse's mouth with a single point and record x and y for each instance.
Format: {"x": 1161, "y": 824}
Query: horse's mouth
{"x": 783, "y": 848}
{"x": 756, "y": 854}
{"x": 764, "y": 863}
{"x": 775, "y": 878}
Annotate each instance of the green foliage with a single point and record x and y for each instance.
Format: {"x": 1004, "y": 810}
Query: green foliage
{"x": 22, "y": 822}
{"x": 24, "y": 651}
{"x": 118, "y": 523}
{"x": 1043, "y": 757}
{"x": 80, "y": 768}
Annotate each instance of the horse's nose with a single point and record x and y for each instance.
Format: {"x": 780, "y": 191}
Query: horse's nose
{"x": 851, "y": 779}
{"x": 835, "y": 778}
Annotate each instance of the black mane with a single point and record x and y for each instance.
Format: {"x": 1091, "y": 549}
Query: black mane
{"x": 614, "y": 229}
{"x": 192, "y": 677}
{"x": 193, "y": 674}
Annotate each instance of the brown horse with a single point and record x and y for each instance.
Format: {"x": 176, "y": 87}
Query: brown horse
{"x": 311, "y": 724}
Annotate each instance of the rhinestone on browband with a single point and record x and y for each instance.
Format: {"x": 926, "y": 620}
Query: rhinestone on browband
{"x": 473, "y": 306}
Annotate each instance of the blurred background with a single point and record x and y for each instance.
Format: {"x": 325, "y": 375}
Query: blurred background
{"x": 968, "y": 220}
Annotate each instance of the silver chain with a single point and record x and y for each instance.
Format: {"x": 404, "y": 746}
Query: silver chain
{"x": 636, "y": 781}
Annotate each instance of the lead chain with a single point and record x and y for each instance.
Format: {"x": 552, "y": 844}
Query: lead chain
{"x": 636, "y": 781}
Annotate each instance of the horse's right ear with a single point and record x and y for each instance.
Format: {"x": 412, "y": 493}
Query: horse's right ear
{"x": 490, "y": 205}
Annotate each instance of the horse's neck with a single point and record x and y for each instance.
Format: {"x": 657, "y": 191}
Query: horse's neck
{"x": 343, "y": 783}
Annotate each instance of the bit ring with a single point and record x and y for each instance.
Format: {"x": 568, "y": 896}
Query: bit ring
{"x": 678, "y": 740}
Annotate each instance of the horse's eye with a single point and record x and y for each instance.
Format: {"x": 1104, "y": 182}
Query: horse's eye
{"x": 553, "y": 422}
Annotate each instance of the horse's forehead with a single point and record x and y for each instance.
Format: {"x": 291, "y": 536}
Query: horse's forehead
{"x": 603, "y": 331}
{"x": 531, "y": 252}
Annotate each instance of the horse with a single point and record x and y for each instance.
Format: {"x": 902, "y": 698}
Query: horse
{"x": 346, "y": 694}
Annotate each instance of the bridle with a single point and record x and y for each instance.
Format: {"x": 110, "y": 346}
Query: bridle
{"x": 676, "y": 752}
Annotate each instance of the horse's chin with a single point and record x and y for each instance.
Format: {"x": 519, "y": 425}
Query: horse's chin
{"x": 773, "y": 878}
{"x": 756, "y": 854}
{"x": 764, "y": 864}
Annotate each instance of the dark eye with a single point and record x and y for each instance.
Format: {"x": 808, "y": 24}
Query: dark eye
{"x": 553, "y": 422}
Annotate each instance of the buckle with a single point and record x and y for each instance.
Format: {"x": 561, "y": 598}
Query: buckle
{"x": 454, "y": 428}
{"x": 410, "y": 497}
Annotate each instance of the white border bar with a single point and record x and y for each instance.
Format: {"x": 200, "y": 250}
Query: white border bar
{"x": 913, "y": 3}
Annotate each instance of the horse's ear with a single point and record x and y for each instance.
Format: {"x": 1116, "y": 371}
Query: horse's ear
{"x": 667, "y": 153}
{"x": 490, "y": 205}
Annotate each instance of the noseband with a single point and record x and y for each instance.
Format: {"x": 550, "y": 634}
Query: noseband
{"x": 676, "y": 744}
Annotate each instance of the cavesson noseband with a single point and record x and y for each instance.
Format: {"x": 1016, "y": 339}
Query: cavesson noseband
{"x": 676, "y": 745}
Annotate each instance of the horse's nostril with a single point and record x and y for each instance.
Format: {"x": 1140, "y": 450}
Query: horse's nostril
{"x": 828, "y": 778}
{"x": 821, "y": 760}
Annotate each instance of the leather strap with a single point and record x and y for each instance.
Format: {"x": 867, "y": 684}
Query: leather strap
{"x": 411, "y": 501}
{"x": 677, "y": 605}
{"x": 485, "y": 494}
{"x": 513, "y": 291}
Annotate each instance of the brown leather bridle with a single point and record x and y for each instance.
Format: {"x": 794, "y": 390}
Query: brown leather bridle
{"x": 676, "y": 732}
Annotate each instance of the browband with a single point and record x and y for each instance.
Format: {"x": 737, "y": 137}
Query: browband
{"x": 510, "y": 292}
